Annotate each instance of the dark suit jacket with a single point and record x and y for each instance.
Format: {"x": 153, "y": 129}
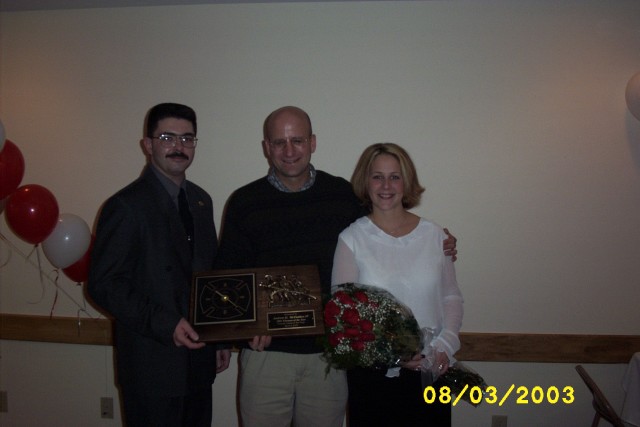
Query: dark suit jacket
{"x": 141, "y": 271}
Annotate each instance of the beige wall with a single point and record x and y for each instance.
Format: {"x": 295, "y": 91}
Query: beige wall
{"x": 514, "y": 113}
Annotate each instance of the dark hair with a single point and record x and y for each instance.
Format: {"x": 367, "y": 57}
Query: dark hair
{"x": 167, "y": 110}
{"x": 360, "y": 178}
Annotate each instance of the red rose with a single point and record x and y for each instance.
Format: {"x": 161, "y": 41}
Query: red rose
{"x": 343, "y": 297}
{"x": 366, "y": 325}
{"x": 335, "y": 338}
{"x": 367, "y": 336}
{"x": 361, "y": 296}
{"x": 351, "y": 316}
{"x": 331, "y": 309}
{"x": 330, "y": 321}
{"x": 357, "y": 345}
{"x": 352, "y": 332}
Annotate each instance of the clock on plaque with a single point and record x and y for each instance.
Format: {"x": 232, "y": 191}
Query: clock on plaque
{"x": 227, "y": 299}
{"x": 230, "y": 305}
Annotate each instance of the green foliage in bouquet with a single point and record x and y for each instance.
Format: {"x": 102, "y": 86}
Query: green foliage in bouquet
{"x": 458, "y": 376}
{"x": 368, "y": 327}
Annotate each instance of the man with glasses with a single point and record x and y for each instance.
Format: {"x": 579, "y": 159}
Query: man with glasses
{"x": 293, "y": 216}
{"x": 151, "y": 236}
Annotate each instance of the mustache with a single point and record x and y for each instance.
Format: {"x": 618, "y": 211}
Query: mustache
{"x": 177, "y": 154}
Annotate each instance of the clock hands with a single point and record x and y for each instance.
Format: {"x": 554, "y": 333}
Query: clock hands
{"x": 225, "y": 298}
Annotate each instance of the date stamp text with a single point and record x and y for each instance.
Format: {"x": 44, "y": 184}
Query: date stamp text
{"x": 523, "y": 395}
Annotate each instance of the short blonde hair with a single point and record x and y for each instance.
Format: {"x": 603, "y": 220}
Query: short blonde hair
{"x": 360, "y": 178}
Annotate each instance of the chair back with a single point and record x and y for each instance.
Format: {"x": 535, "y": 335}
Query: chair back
{"x": 600, "y": 403}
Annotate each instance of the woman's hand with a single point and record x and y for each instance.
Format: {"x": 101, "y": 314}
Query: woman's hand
{"x": 441, "y": 364}
{"x": 415, "y": 362}
{"x": 439, "y": 367}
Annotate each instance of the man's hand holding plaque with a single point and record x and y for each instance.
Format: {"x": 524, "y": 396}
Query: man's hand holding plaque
{"x": 260, "y": 342}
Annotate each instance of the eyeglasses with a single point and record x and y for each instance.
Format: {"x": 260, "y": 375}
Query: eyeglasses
{"x": 170, "y": 140}
{"x": 280, "y": 143}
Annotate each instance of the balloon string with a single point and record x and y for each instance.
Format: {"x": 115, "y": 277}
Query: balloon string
{"x": 55, "y": 298}
{"x": 82, "y": 310}
{"x": 31, "y": 253}
{"x": 4, "y": 264}
{"x": 36, "y": 247}
{"x": 42, "y": 287}
{"x": 34, "y": 265}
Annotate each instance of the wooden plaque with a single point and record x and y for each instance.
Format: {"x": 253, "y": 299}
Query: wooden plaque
{"x": 232, "y": 305}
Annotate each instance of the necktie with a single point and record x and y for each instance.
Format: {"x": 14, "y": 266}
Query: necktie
{"x": 185, "y": 216}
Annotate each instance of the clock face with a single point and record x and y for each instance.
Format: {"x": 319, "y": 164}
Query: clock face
{"x": 226, "y": 299}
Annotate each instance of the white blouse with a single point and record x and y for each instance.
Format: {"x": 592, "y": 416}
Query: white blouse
{"x": 413, "y": 268}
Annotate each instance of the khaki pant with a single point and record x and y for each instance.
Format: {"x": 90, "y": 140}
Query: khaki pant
{"x": 277, "y": 388}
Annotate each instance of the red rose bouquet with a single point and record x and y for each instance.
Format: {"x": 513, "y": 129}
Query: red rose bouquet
{"x": 368, "y": 327}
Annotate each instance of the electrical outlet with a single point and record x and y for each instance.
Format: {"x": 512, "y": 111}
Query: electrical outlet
{"x": 499, "y": 421}
{"x": 106, "y": 407}
{"x": 4, "y": 403}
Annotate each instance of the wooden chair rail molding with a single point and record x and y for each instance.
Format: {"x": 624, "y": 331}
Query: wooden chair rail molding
{"x": 476, "y": 346}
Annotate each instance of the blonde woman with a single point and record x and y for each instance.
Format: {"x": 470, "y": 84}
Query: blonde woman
{"x": 396, "y": 250}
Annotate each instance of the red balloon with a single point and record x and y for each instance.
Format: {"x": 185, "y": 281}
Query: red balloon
{"x": 32, "y": 213}
{"x": 79, "y": 270}
{"x": 11, "y": 168}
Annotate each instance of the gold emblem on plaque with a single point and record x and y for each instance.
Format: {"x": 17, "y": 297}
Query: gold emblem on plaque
{"x": 286, "y": 291}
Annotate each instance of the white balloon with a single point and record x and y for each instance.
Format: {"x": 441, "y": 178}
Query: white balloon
{"x": 632, "y": 95}
{"x": 3, "y": 136}
{"x": 68, "y": 242}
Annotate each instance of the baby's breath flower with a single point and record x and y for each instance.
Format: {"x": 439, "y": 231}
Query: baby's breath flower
{"x": 368, "y": 327}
